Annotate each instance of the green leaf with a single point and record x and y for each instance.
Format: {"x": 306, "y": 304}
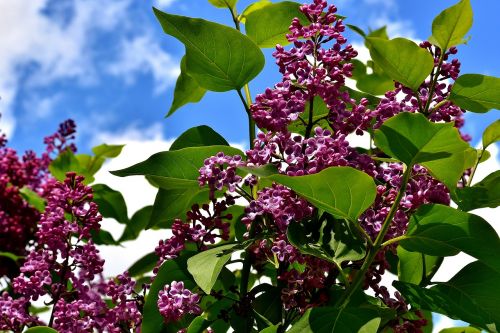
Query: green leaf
{"x": 451, "y": 25}
{"x": 491, "y": 134}
{"x": 484, "y": 194}
{"x": 373, "y": 101}
{"x": 40, "y": 329}
{"x": 33, "y": 198}
{"x": 402, "y": 60}
{"x": 356, "y": 29}
{"x": 223, "y": 3}
{"x": 332, "y": 320}
{"x": 66, "y": 162}
{"x": 464, "y": 329}
{"x": 219, "y": 58}
{"x": 173, "y": 204}
{"x": 253, "y": 7}
{"x": 439, "y": 230}
{"x": 198, "y": 325}
{"x": 198, "y": 136}
{"x": 413, "y": 139}
{"x": 103, "y": 237}
{"x": 270, "y": 329}
{"x": 331, "y": 240}
{"x": 269, "y": 305}
{"x": 377, "y": 33}
{"x": 106, "y": 150}
{"x": 476, "y": 92}
{"x": 187, "y": 90}
{"x": 268, "y": 26}
{"x": 471, "y": 295}
{"x": 261, "y": 171}
{"x": 11, "y": 256}
{"x": 415, "y": 267}
{"x": 144, "y": 265}
{"x": 171, "y": 270}
{"x": 89, "y": 165}
{"x": 206, "y": 266}
{"x": 111, "y": 203}
{"x": 137, "y": 223}
{"x": 176, "y": 169}
{"x": 341, "y": 191}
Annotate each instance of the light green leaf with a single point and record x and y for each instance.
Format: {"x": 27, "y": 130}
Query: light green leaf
{"x": 111, "y": 203}
{"x": 491, "y": 134}
{"x": 206, "y": 266}
{"x": 223, "y": 3}
{"x": 33, "y": 198}
{"x": 268, "y": 26}
{"x": 439, "y": 230}
{"x": 415, "y": 267}
{"x": 171, "y": 270}
{"x": 341, "y": 191}
{"x": 464, "y": 329}
{"x": 402, "y": 60}
{"x": 476, "y": 92}
{"x": 471, "y": 295}
{"x": 198, "y": 136}
{"x": 11, "y": 256}
{"x": 413, "y": 139}
{"x": 218, "y": 57}
{"x": 356, "y": 29}
{"x": 332, "y": 320}
{"x": 106, "y": 150}
{"x": 484, "y": 194}
{"x": 330, "y": 240}
{"x": 253, "y": 7}
{"x": 40, "y": 329}
{"x": 198, "y": 325}
{"x": 187, "y": 90}
{"x": 451, "y": 25}
{"x": 66, "y": 162}
{"x": 270, "y": 329}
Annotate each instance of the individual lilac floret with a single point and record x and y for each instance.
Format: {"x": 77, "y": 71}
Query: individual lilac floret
{"x": 282, "y": 249}
{"x": 174, "y": 301}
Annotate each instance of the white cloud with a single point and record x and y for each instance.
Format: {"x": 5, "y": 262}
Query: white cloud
{"x": 395, "y": 28}
{"x": 141, "y": 55}
{"x": 164, "y": 3}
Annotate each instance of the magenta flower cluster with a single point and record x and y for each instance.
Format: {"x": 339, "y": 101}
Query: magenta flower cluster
{"x": 174, "y": 301}
{"x": 65, "y": 266}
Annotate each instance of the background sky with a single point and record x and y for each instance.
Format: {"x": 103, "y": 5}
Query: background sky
{"x": 109, "y": 66}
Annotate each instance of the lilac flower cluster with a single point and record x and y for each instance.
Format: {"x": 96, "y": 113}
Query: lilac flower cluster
{"x": 174, "y": 301}
{"x": 216, "y": 176}
{"x": 18, "y": 218}
{"x": 64, "y": 265}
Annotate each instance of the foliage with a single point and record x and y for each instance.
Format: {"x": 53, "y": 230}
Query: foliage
{"x": 318, "y": 219}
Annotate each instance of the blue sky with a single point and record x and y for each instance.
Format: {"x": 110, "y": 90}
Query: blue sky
{"x": 109, "y": 66}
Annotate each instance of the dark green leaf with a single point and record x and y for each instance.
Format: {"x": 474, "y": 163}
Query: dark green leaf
{"x": 471, "y": 295}
{"x": 402, "y": 60}
{"x": 332, "y": 320}
{"x": 106, "y": 150}
{"x": 451, "y": 25}
{"x": 143, "y": 265}
{"x": 375, "y": 83}
{"x": 171, "y": 270}
{"x": 219, "y": 58}
{"x": 187, "y": 90}
{"x": 476, "y": 93}
{"x": 268, "y": 26}
{"x": 484, "y": 194}
{"x": 40, "y": 329}
{"x": 198, "y": 325}
{"x": 269, "y": 305}
{"x": 270, "y": 329}
{"x": 415, "y": 267}
{"x": 137, "y": 223}
{"x": 331, "y": 240}
{"x": 206, "y": 266}
{"x": 261, "y": 171}
{"x": 223, "y": 3}
{"x": 341, "y": 191}
{"x": 198, "y": 136}
{"x": 111, "y": 203}
{"x": 439, "y": 230}
{"x": 413, "y": 139}
{"x": 33, "y": 198}
{"x": 491, "y": 134}
{"x": 356, "y": 29}
{"x": 103, "y": 237}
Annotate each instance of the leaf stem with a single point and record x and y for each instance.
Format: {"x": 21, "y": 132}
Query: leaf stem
{"x": 433, "y": 83}
{"x": 394, "y": 240}
{"x": 473, "y": 170}
{"x": 370, "y": 257}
